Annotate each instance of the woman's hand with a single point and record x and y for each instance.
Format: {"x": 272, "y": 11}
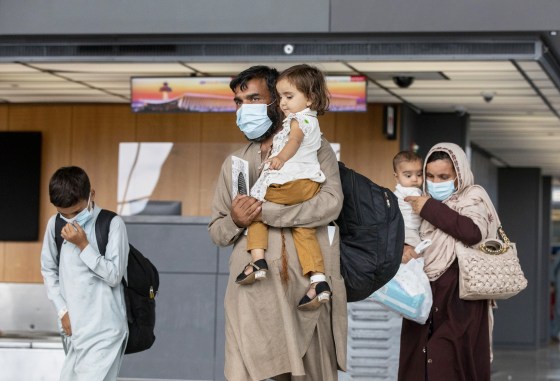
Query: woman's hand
{"x": 408, "y": 254}
{"x": 417, "y": 202}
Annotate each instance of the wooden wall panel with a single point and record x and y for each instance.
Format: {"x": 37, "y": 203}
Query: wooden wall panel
{"x": 2, "y": 266}
{"x": 96, "y": 134}
{"x": 220, "y": 136}
{"x": 364, "y": 147}
{"x": 54, "y": 122}
{"x": 181, "y": 171}
{"x": 3, "y": 117}
{"x": 23, "y": 262}
{"x": 327, "y": 123}
{"x": 89, "y": 136}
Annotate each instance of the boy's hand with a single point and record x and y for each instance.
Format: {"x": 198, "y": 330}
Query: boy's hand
{"x": 74, "y": 233}
{"x": 66, "y": 324}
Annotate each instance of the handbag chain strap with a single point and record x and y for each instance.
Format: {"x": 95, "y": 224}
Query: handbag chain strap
{"x": 502, "y": 249}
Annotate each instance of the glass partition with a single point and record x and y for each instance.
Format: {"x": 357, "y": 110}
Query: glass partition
{"x": 167, "y": 178}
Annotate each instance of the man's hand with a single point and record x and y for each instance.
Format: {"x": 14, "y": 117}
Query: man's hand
{"x": 417, "y": 202}
{"x": 66, "y": 324}
{"x": 244, "y": 210}
{"x": 408, "y": 254}
{"x": 74, "y": 233}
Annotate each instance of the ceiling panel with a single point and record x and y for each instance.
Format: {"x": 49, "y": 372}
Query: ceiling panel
{"x": 64, "y": 99}
{"x": 14, "y": 68}
{"x": 121, "y": 67}
{"x": 41, "y": 85}
{"x": 58, "y": 91}
{"x": 517, "y": 126}
{"x": 463, "y": 84}
{"x": 232, "y": 68}
{"x": 411, "y": 66}
{"x": 29, "y": 77}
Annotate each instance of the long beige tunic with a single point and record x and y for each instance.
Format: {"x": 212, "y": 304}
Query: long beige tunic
{"x": 266, "y": 335}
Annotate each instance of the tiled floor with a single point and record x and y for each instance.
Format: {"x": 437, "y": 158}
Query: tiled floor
{"x": 527, "y": 365}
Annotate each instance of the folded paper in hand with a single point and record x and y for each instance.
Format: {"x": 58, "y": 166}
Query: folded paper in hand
{"x": 239, "y": 176}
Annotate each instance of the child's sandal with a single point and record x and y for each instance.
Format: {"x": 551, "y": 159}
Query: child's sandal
{"x": 322, "y": 295}
{"x": 260, "y": 268}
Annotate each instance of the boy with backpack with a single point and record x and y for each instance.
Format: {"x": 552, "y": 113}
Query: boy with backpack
{"x": 84, "y": 285}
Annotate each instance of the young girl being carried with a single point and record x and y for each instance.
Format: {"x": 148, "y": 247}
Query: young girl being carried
{"x": 292, "y": 175}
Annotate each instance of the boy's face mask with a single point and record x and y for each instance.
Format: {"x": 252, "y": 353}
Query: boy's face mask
{"x": 83, "y": 217}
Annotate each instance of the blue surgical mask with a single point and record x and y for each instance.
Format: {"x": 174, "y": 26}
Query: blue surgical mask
{"x": 441, "y": 191}
{"x": 83, "y": 217}
{"x": 253, "y": 120}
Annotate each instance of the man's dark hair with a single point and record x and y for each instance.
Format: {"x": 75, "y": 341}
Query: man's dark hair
{"x": 405, "y": 156}
{"x": 269, "y": 75}
{"x": 68, "y": 186}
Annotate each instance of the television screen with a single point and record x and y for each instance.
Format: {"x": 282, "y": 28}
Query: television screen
{"x": 20, "y": 171}
{"x": 212, "y": 94}
{"x": 348, "y": 93}
{"x": 181, "y": 94}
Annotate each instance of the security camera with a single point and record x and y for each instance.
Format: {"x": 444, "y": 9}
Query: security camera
{"x": 403, "y": 81}
{"x": 288, "y": 49}
{"x": 488, "y": 96}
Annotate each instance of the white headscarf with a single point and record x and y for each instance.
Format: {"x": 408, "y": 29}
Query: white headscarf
{"x": 468, "y": 200}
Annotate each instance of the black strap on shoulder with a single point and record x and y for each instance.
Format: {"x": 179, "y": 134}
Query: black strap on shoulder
{"x": 59, "y": 223}
{"x": 102, "y": 225}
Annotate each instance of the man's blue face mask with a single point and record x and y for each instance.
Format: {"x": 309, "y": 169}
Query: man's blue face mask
{"x": 253, "y": 120}
{"x": 83, "y": 217}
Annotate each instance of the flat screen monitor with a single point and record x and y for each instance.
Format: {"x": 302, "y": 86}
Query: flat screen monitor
{"x": 20, "y": 171}
{"x": 181, "y": 94}
{"x": 161, "y": 208}
{"x": 212, "y": 94}
{"x": 348, "y": 93}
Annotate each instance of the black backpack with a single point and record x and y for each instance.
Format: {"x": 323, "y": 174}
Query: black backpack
{"x": 139, "y": 292}
{"x": 371, "y": 235}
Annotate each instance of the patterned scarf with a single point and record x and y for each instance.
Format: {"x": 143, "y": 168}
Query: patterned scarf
{"x": 469, "y": 200}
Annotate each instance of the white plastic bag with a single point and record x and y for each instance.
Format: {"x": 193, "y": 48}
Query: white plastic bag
{"x": 408, "y": 293}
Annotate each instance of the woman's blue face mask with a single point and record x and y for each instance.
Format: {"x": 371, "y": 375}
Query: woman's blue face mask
{"x": 441, "y": 191}
{"x": 253, "y": 120}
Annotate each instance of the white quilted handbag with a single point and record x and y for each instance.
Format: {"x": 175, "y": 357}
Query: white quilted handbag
{"x": 489, "y": 271}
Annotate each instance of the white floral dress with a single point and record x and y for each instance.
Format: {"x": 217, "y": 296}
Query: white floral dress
{"x": 303, "y": 165}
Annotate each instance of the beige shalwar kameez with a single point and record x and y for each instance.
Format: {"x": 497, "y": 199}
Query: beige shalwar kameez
{"x": 266, "y": 335}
